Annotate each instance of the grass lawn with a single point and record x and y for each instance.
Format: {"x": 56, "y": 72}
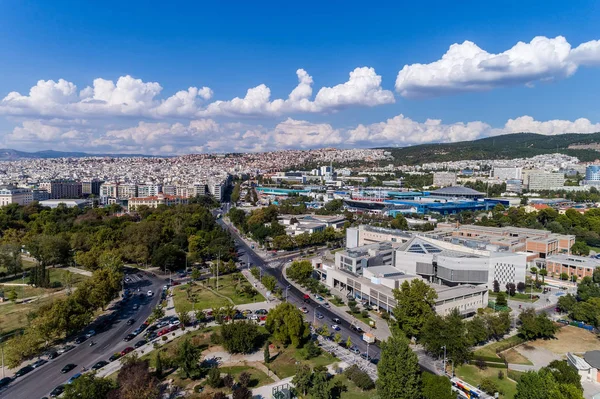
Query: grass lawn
{"x": 359, "y": 316}
{"x": 258, "y": 379}
{"x": 200, "y": 339}
{"x": 490, "y": 349}
{"x": 517, "y": 297}
{"x": 473, "y": 376}
{"x": 337, "y": 301}
{"x": 56, "y": 274}
{"x": 14, "y": 316}
{"x": 207, "y": 297}
{"x": 353, "y": 391}
{"x": 514, "y": 357}
{"x": 284, "y": 364}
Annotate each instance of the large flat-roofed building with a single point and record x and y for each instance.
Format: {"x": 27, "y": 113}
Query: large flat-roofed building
{"x": 545, "y": 181}
{"x": 365, "y": 234}
{"x": 514, "y": 239}
{"x": 356, "y": 259}
{"x": 507, "y": 173}
{"x": 69, "y": 203}
{"x": 15, "y": 195}
{"x": 126, "y": 191}
{"x": 587, "y": 366}
{"x": 580, "y": 266}
{"x": 457, "y": 192}
{"x": 155, "y": 201}
{"x": 59, "y": 189}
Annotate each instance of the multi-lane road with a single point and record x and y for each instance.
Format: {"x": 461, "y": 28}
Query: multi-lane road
{"x": 39, "y": 382}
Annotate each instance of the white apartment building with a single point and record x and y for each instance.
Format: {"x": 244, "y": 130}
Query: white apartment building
{"x": 545, "y": 181}
{"x": 13, "y": 195}
{"x": 109, "y": 190}
{"x": 148, "y": 190}
{"x": 125, "y": 191}
{"x": 155, "y": 200}
{"x": 217, "y": 190}
{"x": 506, "y": 173}
{"x": 444, "y": 179}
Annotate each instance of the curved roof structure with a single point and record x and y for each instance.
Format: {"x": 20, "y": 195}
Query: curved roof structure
{"x": 456, "y": 190}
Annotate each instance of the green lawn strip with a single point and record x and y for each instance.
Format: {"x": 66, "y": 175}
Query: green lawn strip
{"x": 359, "y": 316}
{"x": 200, "y": 339}
{"x": 474, "y": 375}
{"x": 14, "y": 316}
{"x": 258, "y": 379}
{"x": 285, "y": 363}
{"x": 517, "y": 297}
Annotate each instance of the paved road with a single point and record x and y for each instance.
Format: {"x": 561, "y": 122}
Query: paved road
{"x": 42, "y": 380}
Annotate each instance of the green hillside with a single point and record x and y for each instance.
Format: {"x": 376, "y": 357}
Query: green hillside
{"x": 509, "y": 146}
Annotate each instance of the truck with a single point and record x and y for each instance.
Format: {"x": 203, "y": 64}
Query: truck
{"x": 368, "y": 337}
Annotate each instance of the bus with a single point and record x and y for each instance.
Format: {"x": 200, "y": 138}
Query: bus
{"x": 465, "y": 390}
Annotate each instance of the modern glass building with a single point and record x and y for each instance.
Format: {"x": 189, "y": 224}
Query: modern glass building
{"x": 592, "y": 173}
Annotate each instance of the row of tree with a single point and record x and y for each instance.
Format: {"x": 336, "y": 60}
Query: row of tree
{"x": 585, "y": 306}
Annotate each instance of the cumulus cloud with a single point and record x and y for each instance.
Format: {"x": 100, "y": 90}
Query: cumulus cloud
{"x": 129, "y": 96}
{"x": 466, "y": 67}
{"x": 526, "y": 124}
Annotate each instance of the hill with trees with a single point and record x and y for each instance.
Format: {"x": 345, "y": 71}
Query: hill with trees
{"x": 508, "y": 146}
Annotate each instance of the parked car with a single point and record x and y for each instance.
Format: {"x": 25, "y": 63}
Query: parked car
{"x": 261, "y": 311}
{"x": 129, "y": 337}
{"x": 163, "y": 332}
{"x": 304, "y": 309}
{"x": 24, "y": 370}
{"x": 57, "y": 391}
{"x": 140, "y": 343}
{"x": 162, "y": 324}
{"x": 355, "y": 350}
{"x": 4, "y": 382}
{"x": 174, "y": 322}
{"x": 114, "y": 357}
{"x": 150, "y": 293}
{"x": 90, "y": 333}
{"x": 335, "y": 327}
{"x": 67, "y": 368}
{"x": 136, "y": 306}
{"x": 76, "y": 376}
{"x": 80, "y": 339}
{"x": 65, "y": 349}
{"x": 336, "y": 320}
{"x": 151, "y": 335}
{"x": 39, "y": 363}
{"x": 99, "y": 365}
{"x": 53, "y": 355}
{"x": 126, "y": 350}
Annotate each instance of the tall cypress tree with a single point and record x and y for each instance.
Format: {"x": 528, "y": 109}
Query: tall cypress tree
{"x": 398, "y": 369}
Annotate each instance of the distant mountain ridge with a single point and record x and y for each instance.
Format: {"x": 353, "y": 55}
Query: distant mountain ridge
{"x": 508, "y": 146}
{"x": 7, "y": 154}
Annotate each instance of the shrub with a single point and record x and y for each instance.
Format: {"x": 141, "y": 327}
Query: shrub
{"x": 359, "y": 377}
{"x": 311, "y": 350}
{"x": 481, "y": 365}
{"x": 239, "y": 337}
{"x": 488, "y": 386}
{"x": 216, "y": 339}
{"x": 214, "y": 377}
{"x": 364, "y": 313}
{"x": 500, "y": 375}
{"x": 228, "y": 380}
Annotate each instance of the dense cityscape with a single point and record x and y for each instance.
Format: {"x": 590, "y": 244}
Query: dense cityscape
{"x": 236, "y": 200}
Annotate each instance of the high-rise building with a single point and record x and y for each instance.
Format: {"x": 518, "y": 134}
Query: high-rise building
{"x": 109, "y": 190}
{"x": 125, "y": 191}
{"x": 545, "y": 181}
{"x": 148, "y": 190}
{"x": 507, "y": 173}
{"x": 592, "y": 175}
{"x": 91, "y": 187}
{"x": 59, "y": 189}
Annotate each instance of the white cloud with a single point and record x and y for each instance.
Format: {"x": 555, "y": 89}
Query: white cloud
{"x": 466, "y": 67}
{"x": 134, "y": 97}
{"x": 150, "y": 133}
{"x": 526, "y": 124}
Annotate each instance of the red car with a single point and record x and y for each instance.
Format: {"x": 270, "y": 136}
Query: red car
{"x": 164, "y": 331}
{"x": 126, "y": 350}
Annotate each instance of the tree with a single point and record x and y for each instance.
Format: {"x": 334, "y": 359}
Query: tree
{"x": 511, "y": 289}
{"x": 414, "y": 304}
{"x": 360, "y": 378}
{"x": 90, "y": 387}
{"x": 188, "y": 356}
{"x": 498, "y": 325}
{"x": 242, "y": 392}
{"x": 300, "y": 271}
{"x": 213, "y": 378}
{"x": 12, "y": 295}
{"x": 544, "y": 384}
{"x": 158, "y": 367}
{"x": 158, "y": 312}
{"x": 449, "y": 331}
{"x": 286, "y": 324}
{"x": 536, "y": 326}
{"x": 10, "y": 258}
{"x": 270, "y": 283}
{"x": 311, "y": 350}
{"x": 477, "y": 330}
{"x": 501, "y": 299}
{"x": 228, "y": 380}
{"x": 235, "y": 194}
{"x": 521, "y": 286}
{"x": 565, "y": 374}
{"x": 267, "y": 354}
{"x": 184, "y": 317}
{"x": 496, "y": 286}
{"x": 543, "y": 273}
{"x": 566, "y": 303}
{"x": 349, "y": 342}
{"x": 244, "y": 378}
{"x": 240, "y": 337}
{"x": 398, "y": 369}
{"x": 488, "y": 386}
{"x": 135, "y": 381}
{"x": 399, "y": 222}
{"x": 534, "y": 270}
{"x": 196, "y": 274}
{"x": 436, "y": 387}
{"x": 320, "y": 386}
{"x": 580, "y": 248}
{"x": 169, "y": 257}
{"x": 302, "y": 379}
{"x": 588, "y": 288}
{"x": 588, "y": 311}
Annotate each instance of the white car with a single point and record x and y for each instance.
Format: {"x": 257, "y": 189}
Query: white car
{"x": 174, "y": 322}
{"x": 335, "y": 327}
{"x": 150, "y": 293}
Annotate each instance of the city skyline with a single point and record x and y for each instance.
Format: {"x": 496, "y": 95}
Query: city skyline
{"x": 154, "y": 80}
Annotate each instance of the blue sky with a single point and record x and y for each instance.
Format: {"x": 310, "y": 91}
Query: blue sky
{"x": 225, "y": 48}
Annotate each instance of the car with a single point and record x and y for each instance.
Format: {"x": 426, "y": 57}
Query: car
{"x": 319, "y": 298}
{"x": 136, "y": 307}
{"x": 174, "y": 322}
{"x": 114, "y": 357}
{"x": 141, "y": 342}
{"x": 306, "y": 298}
{"x": 326, "y": 305}
{"x": 57, "y": 391}
{"x": 5, "y": 381}
{"x": 80, "y": 339}
{"x": 129, "y": 337}
{"x": 90, "y": 333}
{"x": 335, "y": 327}
{"x": 53, "y": 355}
{"x": 319, "y": 315}
{"x": 65, "y": 349}
{"x": 67, "y": 368}
{"x": 76, "y": 376}
{"x": 365, "y": 356}
{"x": 304, "y": 309}
{"x": 24, "y": 370}
{"x": 151, "y": 335}
{"x": 355, "y": 350}
{"x": 99, "y": 365}
{"x": 150, "y": 293}
{"x": 336, "y": 320}
{"x": 130, "y": 322}
{"x": 162, "y": 332}
{"x": 126, "y": 350}
{"x": 357, "y": 329}
{"x": 163, "y": 323}
{"x": 127, "y": 279}
{"x": 254, "y": 317}
{"x": 39, "y": 363}
{"x": 261, "y": 311}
